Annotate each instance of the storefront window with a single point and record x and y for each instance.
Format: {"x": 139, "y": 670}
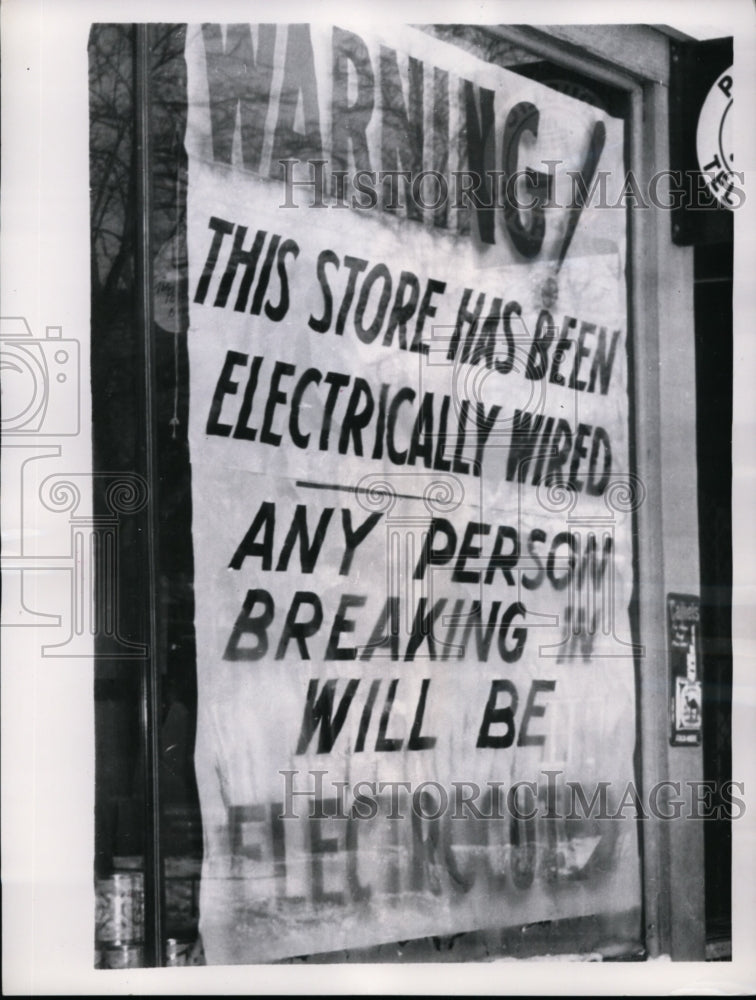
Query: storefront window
{"x": 384, "y": 427}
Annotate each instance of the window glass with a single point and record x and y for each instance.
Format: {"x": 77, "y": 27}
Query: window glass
{"x": 392, "y": 439}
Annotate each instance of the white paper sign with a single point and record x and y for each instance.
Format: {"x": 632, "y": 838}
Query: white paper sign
{"x": 411, "y": 494}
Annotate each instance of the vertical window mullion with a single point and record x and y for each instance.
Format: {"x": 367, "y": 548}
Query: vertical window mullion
{"x": 150, "y": 681}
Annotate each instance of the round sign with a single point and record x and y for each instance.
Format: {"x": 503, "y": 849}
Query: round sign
{"x": 714, "y": 146}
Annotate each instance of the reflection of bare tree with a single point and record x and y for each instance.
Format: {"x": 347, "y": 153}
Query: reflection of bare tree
{"x": 112, "y": 193}
{"x": 118, "y": 430}
{"x": 480, "y": 42}
{"x": 113, "y": 207}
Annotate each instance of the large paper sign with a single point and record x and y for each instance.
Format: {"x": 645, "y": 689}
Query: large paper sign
{"x": 411, "y": 494}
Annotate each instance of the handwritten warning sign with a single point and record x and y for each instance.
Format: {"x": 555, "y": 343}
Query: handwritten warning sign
{"x": 411, "y": 494}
